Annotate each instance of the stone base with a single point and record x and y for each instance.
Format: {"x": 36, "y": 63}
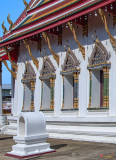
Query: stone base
{"x": 30, "y": 146}
{"x": 29, "y": 156}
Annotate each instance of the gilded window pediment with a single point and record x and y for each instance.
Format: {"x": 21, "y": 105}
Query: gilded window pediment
{"x": 47, "y": 68}
{"x": 71, "y": 62}
{"x": 29, "y": 72}
{"x": 99, "y": 55}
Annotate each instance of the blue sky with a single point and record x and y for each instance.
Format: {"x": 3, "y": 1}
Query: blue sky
{"x": 14, "y": 8}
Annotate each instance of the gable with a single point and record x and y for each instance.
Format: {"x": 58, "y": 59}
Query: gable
{"x": 47, "y": 68}
{"x": 70, "y": 62}
{"x": 29, "y": 72}
{"x": 99, "y": 55}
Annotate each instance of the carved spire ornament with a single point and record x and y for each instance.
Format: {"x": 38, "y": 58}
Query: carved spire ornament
{"x": 14, "y": 65}
{"x": 10, "y": 22}
{"x": 4, "y": 28}
{"x": 112, "y": 39}
{"x": 35, "y": 61}
{"x": 81, "y": 48}
{"x": 13, "y": 73}
{"x": 27, "y": 7}
{"x": 56, "y": 57}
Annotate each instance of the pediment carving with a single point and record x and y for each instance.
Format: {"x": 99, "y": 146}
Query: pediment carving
{"x": 71, "y": 62}
{"x": 29, "y": 71}
{"x": 99, "y": 54}
{"x": 47, "y": 68}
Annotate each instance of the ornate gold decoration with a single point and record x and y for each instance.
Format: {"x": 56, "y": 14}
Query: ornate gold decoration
{"x": 13, "y": 73}
{"x": 81, "y": 48}
{"x": 4, "y": 28}
{"x": 10, "y": 22}
{"x": 47, "y": 68}
{"x": 14, "y": 65}
{"x": 112, "y": 39}
{"x": 35, "y": 61}
{"x": 56, "y": 57}
{"x": 71, "y": 62}
{"x": 0, "y": 39}
{"x": 99, "y": 48}
{"x": 27, "y": 7}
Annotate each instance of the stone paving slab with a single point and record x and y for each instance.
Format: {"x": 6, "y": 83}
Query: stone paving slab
{"x": 66, "y": 150}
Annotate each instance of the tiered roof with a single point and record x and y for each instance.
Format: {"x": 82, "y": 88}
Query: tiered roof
{"x": 46, "y": 14}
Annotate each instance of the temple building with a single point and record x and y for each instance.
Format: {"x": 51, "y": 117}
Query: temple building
{"x": 63, "y": 57}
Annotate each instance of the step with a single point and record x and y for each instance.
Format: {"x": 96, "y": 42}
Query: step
{"x": 100, "y": 139}
{"x": 89, "y": 130}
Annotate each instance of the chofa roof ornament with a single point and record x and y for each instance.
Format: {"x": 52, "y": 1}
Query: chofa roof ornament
{"x": 27, "y": 7}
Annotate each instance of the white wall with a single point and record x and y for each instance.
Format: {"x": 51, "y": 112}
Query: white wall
{"x": 88, "y": 43}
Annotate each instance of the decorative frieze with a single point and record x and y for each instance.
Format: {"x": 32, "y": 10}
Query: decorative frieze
{"x": 32, "y": 95}
{"x": 76, "y": 89}
{"x": 106, "y": 87}
{"x": 52, "y": 85}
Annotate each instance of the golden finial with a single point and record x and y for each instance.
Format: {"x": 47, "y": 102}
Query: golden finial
{"x": 4, "y": 28}
{"x": 10, "y": 22}
{"x": 27, "y": 7}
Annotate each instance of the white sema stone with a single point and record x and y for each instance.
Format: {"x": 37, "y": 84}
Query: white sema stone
{"x": 31, "y": 135}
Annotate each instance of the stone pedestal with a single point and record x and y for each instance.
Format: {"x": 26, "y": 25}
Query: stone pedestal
{"x": 31, "y": 136}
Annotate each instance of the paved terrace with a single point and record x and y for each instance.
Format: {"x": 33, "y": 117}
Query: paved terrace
{"x": 66, "y": 150}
